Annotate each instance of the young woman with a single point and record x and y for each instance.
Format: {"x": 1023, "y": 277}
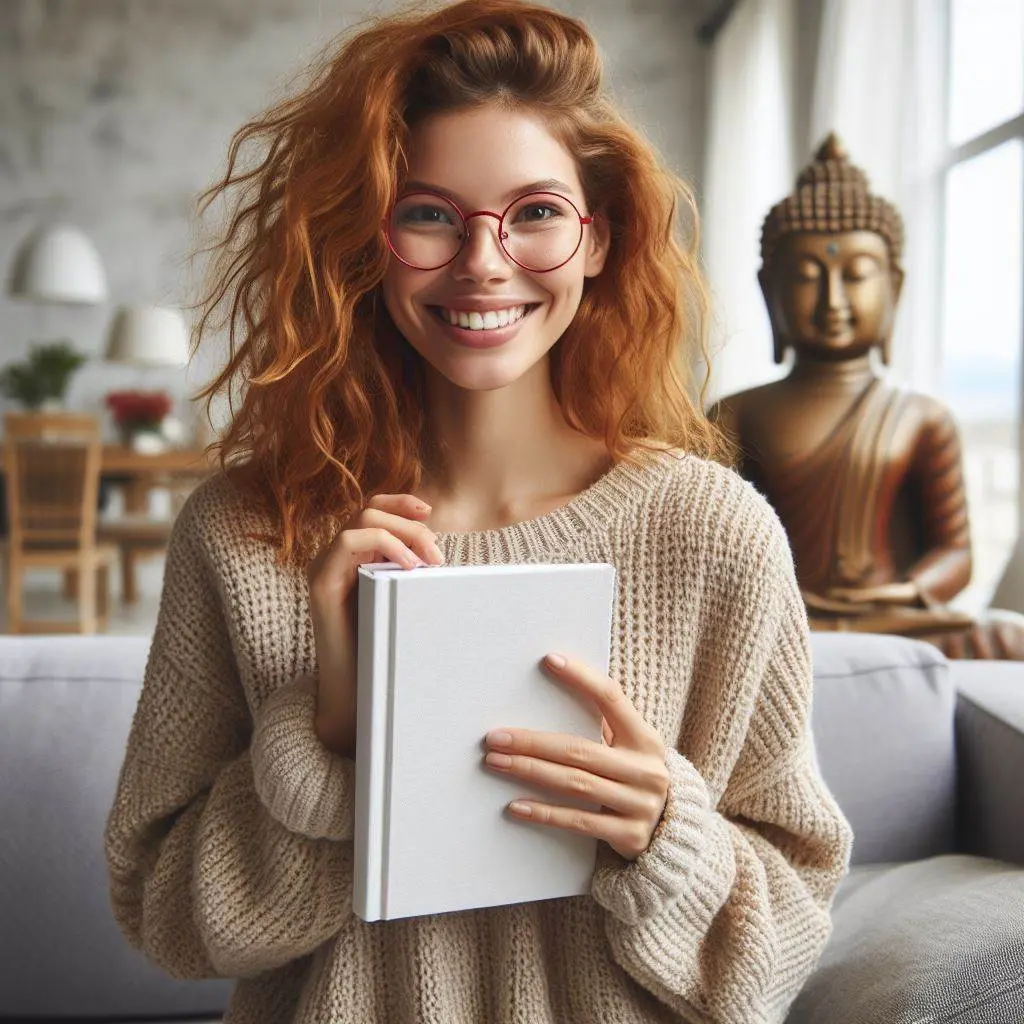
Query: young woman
{"x": 454, "y": 278}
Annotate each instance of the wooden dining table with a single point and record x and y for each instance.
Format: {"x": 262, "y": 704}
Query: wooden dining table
{"x": 140, "y": 472}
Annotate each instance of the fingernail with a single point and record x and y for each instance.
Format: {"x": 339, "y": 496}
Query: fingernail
{"x": 499, "y": 738}
{"x": 518, "y": 807}
{"x": 437, "y": 553}
{"x": 424, "y": 507}
{"x": 556, "y": 660}
{"x": 499, "y": 760}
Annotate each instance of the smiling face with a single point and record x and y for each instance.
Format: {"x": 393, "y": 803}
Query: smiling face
{"x": 481, "y": 320}
{"x": 831, "y": 296}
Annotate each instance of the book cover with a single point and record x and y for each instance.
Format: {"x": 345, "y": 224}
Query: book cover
{"x": 447, "y": 653}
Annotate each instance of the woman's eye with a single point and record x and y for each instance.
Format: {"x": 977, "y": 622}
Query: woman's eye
{"x": 538, "y": 211}
{"x": 425, "y": 214}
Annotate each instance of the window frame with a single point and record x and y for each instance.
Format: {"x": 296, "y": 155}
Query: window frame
{"x": 950, "y": 156}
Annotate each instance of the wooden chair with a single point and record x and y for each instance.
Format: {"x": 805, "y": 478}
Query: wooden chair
{"x": 52, "y": 468}
{"x": 137, "y": 535}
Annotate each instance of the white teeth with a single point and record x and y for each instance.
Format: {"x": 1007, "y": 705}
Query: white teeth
{"x": 489, "y": 321}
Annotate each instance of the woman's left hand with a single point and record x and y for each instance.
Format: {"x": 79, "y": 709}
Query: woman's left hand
{"x": 625, "y": 774}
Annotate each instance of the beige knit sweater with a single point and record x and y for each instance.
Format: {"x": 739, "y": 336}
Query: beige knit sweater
{"x": 229, "y": 842}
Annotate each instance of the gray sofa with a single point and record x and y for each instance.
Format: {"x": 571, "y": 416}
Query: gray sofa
{"x": 926, "y": 757}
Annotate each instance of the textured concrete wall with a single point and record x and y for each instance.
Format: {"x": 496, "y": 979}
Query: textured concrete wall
{"x": 114, "y": 114}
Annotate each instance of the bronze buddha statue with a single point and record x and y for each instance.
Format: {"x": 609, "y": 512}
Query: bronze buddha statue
{"x": 866, "y": 476}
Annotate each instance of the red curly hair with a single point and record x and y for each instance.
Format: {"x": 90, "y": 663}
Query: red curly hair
{"x": 332, "y": 409}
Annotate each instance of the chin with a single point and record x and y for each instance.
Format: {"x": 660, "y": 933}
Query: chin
{"x": 481, "y": 378}
{"x": 474, "y": 370}
{"x": 834, "y": 349}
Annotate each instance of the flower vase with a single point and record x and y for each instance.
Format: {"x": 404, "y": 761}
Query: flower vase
{"x": 148, "y": 442}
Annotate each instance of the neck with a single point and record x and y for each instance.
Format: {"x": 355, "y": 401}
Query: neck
{"x": 497, "y": 453}
{"x": 846, "y": 374}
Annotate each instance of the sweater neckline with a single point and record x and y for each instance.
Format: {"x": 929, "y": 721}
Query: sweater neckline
{"x": 596, "y": 506}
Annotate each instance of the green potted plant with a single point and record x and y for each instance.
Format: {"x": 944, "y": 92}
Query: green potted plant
{"x": 41, "y": 380}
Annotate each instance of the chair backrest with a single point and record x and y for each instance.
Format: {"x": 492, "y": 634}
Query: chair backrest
{"x": 52, "y": 466}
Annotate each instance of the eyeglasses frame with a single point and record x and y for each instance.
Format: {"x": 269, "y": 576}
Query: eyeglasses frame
{"x": 502, "y": 235}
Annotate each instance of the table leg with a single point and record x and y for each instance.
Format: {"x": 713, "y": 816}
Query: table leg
{"x": 136, "y": 502}
{"x": 136, "y": 496}
{"x": 129, "y": 591}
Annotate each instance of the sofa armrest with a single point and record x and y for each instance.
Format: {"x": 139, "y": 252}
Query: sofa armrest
{"x": 990, "y": 758}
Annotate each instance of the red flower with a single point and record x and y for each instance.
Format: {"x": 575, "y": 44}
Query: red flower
{"x": 139, "y": 409}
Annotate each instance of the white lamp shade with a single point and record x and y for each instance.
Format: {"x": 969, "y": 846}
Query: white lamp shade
{"x": 148, "y": 336}
{"x": 58, "y": 264}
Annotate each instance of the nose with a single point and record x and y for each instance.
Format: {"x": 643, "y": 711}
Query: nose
{"x": 837, "y": 304}
{"x": 482, "y": 257}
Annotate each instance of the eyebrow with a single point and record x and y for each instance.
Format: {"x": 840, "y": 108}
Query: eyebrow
{"x": 545, "y": 185}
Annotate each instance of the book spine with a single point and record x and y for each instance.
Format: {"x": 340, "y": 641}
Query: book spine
{"x": 387, "y": 743}
{"x": 373, "y": 672}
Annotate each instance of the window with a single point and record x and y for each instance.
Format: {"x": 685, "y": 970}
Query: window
{"x": 982, "y": 327}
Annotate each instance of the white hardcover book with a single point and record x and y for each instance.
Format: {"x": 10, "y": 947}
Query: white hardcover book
{"x": 446, "y": 654}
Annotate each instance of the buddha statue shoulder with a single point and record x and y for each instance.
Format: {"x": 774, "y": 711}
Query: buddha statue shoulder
{"x": 866, "y": 476}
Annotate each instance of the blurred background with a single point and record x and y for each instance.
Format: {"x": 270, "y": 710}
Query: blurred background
{"x": 116, "y": 114}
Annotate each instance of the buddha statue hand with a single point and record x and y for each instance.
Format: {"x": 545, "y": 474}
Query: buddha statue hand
{"x": 878, "y": 616}
{"x": 817, "y": 603}
{"x": 885, "y": 593}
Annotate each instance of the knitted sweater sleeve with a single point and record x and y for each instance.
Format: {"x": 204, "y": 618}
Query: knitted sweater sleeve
{"x": 725, "y": 914}
{"x": 228, "y": 843}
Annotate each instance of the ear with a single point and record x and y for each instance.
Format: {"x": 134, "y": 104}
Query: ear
{"x": 896, "y": 275}
{"x": 778, "y": 349}
{"x": 597, "y": 239}
{"x": 885, "y": 348}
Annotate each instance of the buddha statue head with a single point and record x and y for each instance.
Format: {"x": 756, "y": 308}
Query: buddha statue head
{"x": 830, "y": 263}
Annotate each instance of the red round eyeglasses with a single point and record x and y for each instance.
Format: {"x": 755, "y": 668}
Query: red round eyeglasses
{"x": 539, "y": 231}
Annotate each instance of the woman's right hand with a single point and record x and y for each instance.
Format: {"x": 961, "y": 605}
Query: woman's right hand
{"x": 388, "y": 529}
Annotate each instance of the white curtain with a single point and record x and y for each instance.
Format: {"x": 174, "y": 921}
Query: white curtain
{"x": 878, "y": 84}
{"x": 748, "y": 169}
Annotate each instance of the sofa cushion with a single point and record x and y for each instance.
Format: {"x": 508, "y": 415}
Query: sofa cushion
{"x": 990, "y": 752}
{"x": 937, "y": 941}
{"x": 66, "y": 704}
{"x": 883, "y": 722}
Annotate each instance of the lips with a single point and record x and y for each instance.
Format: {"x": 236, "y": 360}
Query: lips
{"x": 491, "y": 319}
{"x": 837, "y": 325}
